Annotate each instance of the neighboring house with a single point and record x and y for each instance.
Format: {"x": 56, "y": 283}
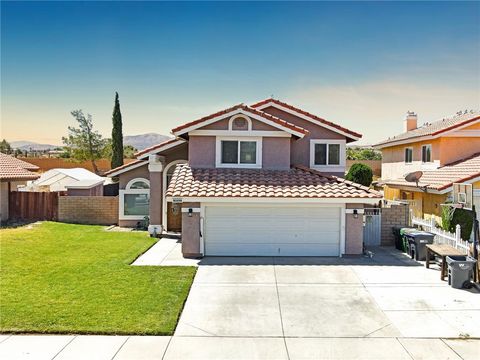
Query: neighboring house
{"x": 256, "y": 180}
{"x": 63, "y": 179}
{"x": 13, "y": 172}
{"x": 447, "y": 151}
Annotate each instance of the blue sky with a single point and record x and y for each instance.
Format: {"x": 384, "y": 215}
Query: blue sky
{"x": 360, "y": 64}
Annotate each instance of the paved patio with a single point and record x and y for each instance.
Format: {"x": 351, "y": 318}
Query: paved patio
{"x": 296, "y": 308}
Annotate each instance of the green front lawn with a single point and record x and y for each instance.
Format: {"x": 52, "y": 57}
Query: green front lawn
{"x": 62, "y": 278}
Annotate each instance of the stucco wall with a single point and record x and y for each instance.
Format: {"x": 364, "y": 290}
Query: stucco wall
{"x": 275, "y": 152}
{"x": 140, "y": 172}
{"x": 300, "y": 149}
{"x": 3, "y": 201}
{"x": 191, "y": 231}
{"x": 223, "y": 125}
{"x": 98, "y": 210}
{"x": 201, "y": 151}
{"x": 353, "y": 231}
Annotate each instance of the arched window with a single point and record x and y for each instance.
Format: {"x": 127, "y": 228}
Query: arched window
{"x": 138, "y": 183}
{"x": 135, "y": 200}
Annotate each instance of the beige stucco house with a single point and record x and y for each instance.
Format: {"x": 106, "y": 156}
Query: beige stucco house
{"x": 13, "y": 172}
{"x": 447, "y": 151}
{"x": 259, "y": 180}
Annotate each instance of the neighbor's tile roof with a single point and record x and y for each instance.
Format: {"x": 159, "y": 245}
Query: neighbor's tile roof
{"x": 299, "y": 182}
{"x": 15, "y": 169}
{"x": 443, "y": 177}
{"x": 306, "y": 113}
{"x": 246, "y": 109}
{"x": 435, "y": 128}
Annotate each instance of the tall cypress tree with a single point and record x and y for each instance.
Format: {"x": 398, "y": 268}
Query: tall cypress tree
{"x": 117, "y": 135}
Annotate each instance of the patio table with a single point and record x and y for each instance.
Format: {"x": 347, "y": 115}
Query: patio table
{"x": 441, "y": 250}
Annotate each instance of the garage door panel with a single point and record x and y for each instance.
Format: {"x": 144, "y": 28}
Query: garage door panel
{"x": 271, "y": 231}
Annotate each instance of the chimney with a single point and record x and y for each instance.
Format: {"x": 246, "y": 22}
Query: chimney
{"x": 410, "y": 121}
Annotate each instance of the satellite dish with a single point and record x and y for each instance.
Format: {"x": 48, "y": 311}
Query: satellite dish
{"x": 414, "y": 176}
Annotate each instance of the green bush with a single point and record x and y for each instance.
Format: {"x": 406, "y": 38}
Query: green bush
{"x": 361, "y": 174}
{"x": 461, "y": 217}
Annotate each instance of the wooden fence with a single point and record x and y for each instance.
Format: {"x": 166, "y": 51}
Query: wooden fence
{"x": 24, "y": 205}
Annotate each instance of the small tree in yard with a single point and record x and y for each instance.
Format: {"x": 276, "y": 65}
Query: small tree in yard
{"x": 117, "y": 135}
{"x": 84, "y": 143}
{"x": 361, "y": 174}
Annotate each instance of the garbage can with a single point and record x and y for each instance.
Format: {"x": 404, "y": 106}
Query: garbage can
{"x": 404, "y": 240}
{"x": 398, "y": 237}
{"x": 460, "y": 270}
{"x": 417, "y": 241}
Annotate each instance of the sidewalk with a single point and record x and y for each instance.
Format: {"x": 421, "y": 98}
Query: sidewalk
{"x": 58, "y": 347}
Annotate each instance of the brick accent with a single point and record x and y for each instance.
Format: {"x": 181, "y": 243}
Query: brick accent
{"x": 95, "y": 210}
{"x": 393, "y": 215}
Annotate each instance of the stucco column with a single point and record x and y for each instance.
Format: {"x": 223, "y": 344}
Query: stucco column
{"x": 155, "y": 167}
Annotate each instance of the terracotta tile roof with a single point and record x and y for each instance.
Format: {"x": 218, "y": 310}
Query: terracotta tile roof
{"x": 124, "y": 166}
{"x": 306, "y": 113}
{"x": 443, "y": 177}
{"x": 246, "y": 109}
{"x": 15, "y": 169}
{"x": 155, "y": 147}
{"x": 298, "y": 182}
{"x": 435, "y": 128}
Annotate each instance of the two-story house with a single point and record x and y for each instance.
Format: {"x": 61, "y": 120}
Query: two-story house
{"x": 447, "y": 151}
{"x": 259, "y": 180}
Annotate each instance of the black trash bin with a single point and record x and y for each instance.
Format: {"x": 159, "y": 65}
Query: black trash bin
{"x": 460, "y": 270}
{"x": 404, "y": 245}
{"x": 417, "y": 241}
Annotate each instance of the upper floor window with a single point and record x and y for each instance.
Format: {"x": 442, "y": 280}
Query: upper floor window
{"x": 427, "y": 153}
{"x": 232, "y": 152}
{"x": 325, "y": 153}
{"x": 408, "y": 155}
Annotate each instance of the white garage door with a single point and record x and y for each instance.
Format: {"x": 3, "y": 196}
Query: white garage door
{"x": 272, "y": 231}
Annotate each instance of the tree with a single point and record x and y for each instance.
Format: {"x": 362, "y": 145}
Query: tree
{"x": 361, "y": 174}
{"x": 83, "y": 143}
{"x": 5, "y": 147}
{"x": 128, "y": 150}
{"x": 117, "y": 135}
{"x": 356, "y": 153}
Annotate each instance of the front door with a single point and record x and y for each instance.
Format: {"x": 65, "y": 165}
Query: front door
{"x": 174, "y": 217}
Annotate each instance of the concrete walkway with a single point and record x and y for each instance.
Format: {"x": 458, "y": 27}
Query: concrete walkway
{"x": 166, "y": 252}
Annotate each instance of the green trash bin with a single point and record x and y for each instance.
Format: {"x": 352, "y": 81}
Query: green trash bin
{"x": 404, "y": 241}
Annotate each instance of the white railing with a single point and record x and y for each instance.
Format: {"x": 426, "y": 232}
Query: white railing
{"x": 442, "y": 236}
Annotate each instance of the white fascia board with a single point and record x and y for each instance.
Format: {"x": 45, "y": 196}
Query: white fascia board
{"x": 238, "y": 200}
{"x": 235, "y": 112}
{"x": 308, "y": 118}
{"x": 126, "y": 169}
{"x": 257, "y": 133}
{"x": 430, "y": 191}
{"x": 162, "y": 148}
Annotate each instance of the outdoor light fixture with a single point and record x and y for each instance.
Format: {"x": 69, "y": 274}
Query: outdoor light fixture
{"x": 355, "y": 213}
{"x": 190, "y": 212}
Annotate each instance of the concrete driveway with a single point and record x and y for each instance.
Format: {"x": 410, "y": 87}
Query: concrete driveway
{"x": 305, "y": 306}
{"x": 388, "y": 307}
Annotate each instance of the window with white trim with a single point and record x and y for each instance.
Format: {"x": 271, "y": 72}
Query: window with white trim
{"x": 239, "y": 152}
{"x": 427, "y": 153}
{"x": 135, "y": 200}
{"x": 326, "y": 154}
{"x": 408, "y": 155}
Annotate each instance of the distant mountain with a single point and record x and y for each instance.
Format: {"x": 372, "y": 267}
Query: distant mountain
{"x": 30, "y": 145}
{"x": 143, "y": 141}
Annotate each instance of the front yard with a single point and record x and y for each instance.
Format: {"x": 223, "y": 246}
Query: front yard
{"x": 62, "y": 278}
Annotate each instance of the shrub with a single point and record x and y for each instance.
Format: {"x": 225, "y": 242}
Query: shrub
{"x": 461, "y": 217}
{"x": 361, "y": 174}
